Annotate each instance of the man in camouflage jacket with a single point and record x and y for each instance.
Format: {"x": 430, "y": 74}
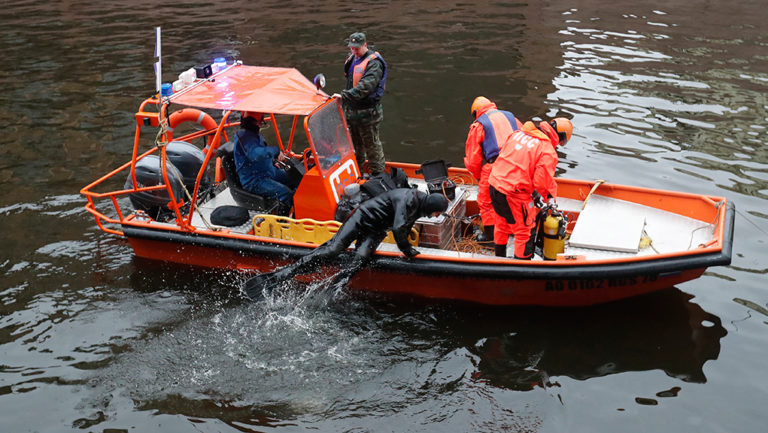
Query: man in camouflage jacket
{"x": 366, "y": 74}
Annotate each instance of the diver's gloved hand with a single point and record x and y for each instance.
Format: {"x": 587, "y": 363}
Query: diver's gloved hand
{"x": 411, "y": 252}
{"x": 537, "y": 200}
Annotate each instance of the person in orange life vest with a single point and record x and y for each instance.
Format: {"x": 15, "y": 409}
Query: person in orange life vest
{"x": 491, "y": 129}
{"x": 366, "y": 74}
{"x": 523, "y": 173}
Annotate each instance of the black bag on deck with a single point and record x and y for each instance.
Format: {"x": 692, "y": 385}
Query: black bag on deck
{"x": 229, "y": 216}
{"x": 399, "y": 178}
{"x": 378, "y": 184}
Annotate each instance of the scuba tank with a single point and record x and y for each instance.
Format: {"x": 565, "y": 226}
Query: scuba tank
{"x": 550, "y": 237}
{"x": 554, "y": 235}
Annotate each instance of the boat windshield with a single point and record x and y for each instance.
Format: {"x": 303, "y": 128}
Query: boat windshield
{"x": 329, "y": 137}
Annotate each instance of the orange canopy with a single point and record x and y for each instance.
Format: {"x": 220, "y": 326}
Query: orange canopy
{"x": 255, "y": 88}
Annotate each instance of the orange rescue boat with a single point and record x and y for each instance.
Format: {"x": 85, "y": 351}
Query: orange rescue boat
{"x": 620, "y": 241}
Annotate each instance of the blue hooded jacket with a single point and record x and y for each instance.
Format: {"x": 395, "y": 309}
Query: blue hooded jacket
{"x": 253, "y": 158}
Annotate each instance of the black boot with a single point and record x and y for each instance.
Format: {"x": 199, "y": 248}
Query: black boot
{"x": 485, "y": 238}
{"x": 282, "y": 209}
{"x": 501, "y": 250}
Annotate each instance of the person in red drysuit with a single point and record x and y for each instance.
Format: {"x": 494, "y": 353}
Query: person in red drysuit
{"x": 522, "y": 174}
{"x": 490, "y": 129}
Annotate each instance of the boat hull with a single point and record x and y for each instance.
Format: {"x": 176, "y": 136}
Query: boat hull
{"x": 501, "y": 283}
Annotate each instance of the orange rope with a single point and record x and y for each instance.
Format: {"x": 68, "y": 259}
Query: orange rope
{"x": 462, "y": 179}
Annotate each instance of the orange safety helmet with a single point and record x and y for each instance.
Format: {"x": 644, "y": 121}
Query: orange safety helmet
{"x": 563, "y": 127}
{"x": 479, "y": 103}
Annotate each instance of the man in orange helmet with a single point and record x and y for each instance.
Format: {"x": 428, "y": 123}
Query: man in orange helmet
{"x": 489, "y": 131}
{"x": 523, "y": 173}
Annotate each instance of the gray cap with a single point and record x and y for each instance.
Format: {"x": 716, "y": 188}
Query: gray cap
{"x": 357, "y": 39}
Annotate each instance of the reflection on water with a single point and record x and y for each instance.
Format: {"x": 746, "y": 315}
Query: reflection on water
{"x": 663, "y": 331}
{"x": 753, "y": 306}
{"x": 651, "y": 87}
{"x": 308, "y": 352}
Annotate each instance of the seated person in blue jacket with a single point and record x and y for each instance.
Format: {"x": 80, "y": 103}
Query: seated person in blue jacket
{"x": 254, "y": 160}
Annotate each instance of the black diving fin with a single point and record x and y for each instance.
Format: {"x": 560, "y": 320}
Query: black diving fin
{"x": 255, "y": 285}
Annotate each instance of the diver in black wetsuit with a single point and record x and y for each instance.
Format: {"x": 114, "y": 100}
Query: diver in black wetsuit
{"x": 395, "y": 210}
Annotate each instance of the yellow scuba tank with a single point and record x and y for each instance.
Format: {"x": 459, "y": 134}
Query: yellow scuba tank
{"x": 554, "y": 235}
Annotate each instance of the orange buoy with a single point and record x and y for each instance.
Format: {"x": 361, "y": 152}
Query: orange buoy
{"x": 191, "y": 115}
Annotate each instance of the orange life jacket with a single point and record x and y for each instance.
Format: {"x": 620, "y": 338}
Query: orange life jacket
{"x": 356, "y": 73}
{"x": 359, "y": 70}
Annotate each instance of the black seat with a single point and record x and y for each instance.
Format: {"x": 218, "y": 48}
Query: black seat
{"x": 242, "y": 197}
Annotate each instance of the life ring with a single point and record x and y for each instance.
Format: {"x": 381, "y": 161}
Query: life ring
{"x": 191, "y": 115}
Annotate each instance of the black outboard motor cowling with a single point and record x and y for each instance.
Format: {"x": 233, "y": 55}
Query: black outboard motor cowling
{"x": 185, "y": 162}
{"x": 150, "y": 173}
{"x": 188, "y": 159}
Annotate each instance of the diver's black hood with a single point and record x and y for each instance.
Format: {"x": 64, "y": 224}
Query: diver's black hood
{"x": 433, "y": 203}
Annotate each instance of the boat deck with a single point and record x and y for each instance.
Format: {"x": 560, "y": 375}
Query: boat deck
{"x": 669, "y": 232}
{"x": 628, "y": 222}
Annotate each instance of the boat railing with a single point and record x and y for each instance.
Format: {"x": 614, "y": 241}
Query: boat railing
{"x": 148, "y": 118}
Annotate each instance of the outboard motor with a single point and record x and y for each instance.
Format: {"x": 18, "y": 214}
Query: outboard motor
{"x": 188, "y": 159}
{"x": 150, "y": 173}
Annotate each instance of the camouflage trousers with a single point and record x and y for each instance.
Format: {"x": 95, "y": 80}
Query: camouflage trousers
{"x": 365, "y": 139}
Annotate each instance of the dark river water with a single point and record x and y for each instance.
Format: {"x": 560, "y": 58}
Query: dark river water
{"x": 663, "y": 94}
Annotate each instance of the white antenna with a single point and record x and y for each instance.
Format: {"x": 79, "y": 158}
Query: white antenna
{"x": 158, "y": 61}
